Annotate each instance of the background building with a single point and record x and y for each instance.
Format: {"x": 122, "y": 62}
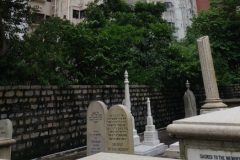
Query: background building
{"x": 72, "y": 10}
{"x": 202, "y": 5}
{"x": 178, "y": 14}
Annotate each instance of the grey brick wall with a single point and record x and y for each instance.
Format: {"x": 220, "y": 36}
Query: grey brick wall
{"x": 49, "y": 119}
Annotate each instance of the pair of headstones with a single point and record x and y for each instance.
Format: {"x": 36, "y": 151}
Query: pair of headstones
{"x": 109, "y": 130}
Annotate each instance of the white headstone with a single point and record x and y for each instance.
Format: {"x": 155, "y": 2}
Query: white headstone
{"x": 96, "y": 127}
{"x": 127, "y": 103}
{"x": 150, "y": 134}
{"x": 151, "y": 145}
{"x": 119, "y": 130}
{"x": 189, "y": 102}
{"x": 6, "y": 128}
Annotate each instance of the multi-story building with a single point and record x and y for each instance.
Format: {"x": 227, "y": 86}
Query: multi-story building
{"x": 72, "y": 10}
{"x": 179, "y": 12}
{"x": 202, "y": 5}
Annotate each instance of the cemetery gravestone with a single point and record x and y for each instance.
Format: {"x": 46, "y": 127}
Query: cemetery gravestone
{"x": 6, "y": 140}
{"x": 96, "y": 127}
{"x": 6, "y": 128}
{"x": 151, "y": 145}
{"x": 212, "y": 102}
{"x": 119, "y": 130}
{"x": 189, "y": 102}
{"x": 212, "y": 136}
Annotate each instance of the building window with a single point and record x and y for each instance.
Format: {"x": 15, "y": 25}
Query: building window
{"x": 168, "y": 5}
{"x": 76, "y": 14}
{"x": 38, "y": 17}
{"x": 49, "y": 0}
{"x": 82, "y": 14}
{"x": 171, "y": 24}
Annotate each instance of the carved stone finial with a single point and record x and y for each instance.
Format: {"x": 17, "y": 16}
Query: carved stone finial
{"x": 127, "y": 94}
{"x": 149, "y": 107}
{"x": 187, "y": 84}
{"x": 126, "y": 77}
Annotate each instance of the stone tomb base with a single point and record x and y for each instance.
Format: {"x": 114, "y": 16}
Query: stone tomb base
{"x": 173, "y": 151}
{"x": 145, "y": 150}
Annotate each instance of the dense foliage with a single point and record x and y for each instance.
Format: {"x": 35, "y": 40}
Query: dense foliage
{"x": 14, "y": 16}
{"x": 222, "y": 24}
{"x": 114, "y": 37}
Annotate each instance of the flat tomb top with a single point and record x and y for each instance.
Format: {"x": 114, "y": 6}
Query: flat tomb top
{"x": 227, "y": 117}
{"x": 114, "y": 156}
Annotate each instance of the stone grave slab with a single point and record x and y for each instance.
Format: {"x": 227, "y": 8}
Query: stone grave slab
{"x": 96, "y": 127}
{"x": 114, "y": 156}
{"x": 119, "y": 130}
{"x": 214, "y": 135}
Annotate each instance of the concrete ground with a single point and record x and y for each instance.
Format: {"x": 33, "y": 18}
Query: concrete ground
{"x": 80, "y": 153}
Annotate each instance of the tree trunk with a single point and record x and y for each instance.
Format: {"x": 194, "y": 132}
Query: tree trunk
{"x": 3, "y": 42}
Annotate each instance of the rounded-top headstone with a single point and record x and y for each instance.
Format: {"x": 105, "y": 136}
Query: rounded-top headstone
{"x": 119, "y": 130}
{"x": 96, "y": 127}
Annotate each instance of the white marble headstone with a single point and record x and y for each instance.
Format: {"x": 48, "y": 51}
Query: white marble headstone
{"x": 6, "y": 128}
{"x": 119, "y": 130}
{"x": 96, "y": 127}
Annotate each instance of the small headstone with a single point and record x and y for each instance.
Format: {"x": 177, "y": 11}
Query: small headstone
{"x": 189, "y": 102}
{"x": 119, "y": 130}
{"x": 96, "y": 127}
{"x": 151, "y": 145}
{"x": 6, "y": 128}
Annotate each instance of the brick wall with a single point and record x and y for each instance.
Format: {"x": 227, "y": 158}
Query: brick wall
{"x": 49, "y": 119}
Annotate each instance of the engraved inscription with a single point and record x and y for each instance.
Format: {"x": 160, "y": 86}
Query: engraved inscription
{"x": 117, "y": 132}
{"x": 205, "y": 154}
{"x": 95, "y": 117}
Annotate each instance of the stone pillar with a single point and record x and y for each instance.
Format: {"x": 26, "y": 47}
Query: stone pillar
{"x": 127, "y": 93}
{"x": 212, "y": 102}
{"x": 136, "y": 138}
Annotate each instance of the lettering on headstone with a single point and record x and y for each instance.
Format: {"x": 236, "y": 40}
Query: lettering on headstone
{"x": 119, "y": 130}
{"x": 96, "y": 127}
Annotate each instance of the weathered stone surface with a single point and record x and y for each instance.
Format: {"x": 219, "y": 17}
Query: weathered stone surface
{"x": 205, "y": 134}
{"x": 96, "y": 127}
{"x": 113, "y": 156}
{"x": 119, "y": 130}
{"x": 213, "y": 102}
{"x": 6, "y": 128}
{"x": 189, "y": 102}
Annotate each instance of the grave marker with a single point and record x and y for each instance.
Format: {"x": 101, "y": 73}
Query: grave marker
{"x": 96, "y": 127}
{"x": 6, "y": 128}
{"x": 119, "y": 130}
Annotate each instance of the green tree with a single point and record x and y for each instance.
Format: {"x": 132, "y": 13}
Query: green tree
{"x": 113, "y": 37}
{"x": 222, "y": 24}
{"x": 14, "y": 16}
